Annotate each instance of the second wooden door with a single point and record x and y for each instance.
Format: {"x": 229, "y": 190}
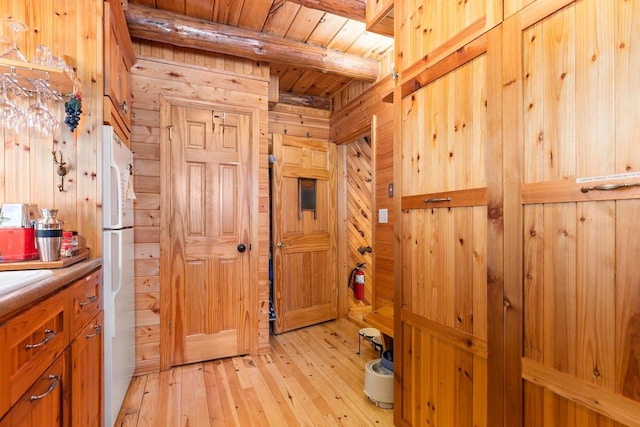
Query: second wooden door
{"x": 305, "y": 250}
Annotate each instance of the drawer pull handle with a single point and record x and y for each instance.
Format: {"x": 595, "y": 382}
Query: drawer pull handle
{"x": 98, "y": 331}
{"x": 609, "y": 187}
{"x": 52, "y": 386}
{"x": 436, "y": 199}
{"x": 91, "y": 300}
{"x": 48, "y": 336}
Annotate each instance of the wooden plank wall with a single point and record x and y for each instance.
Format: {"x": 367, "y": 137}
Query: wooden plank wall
{"x": 429, "y": 30}
{"x": 358, "y": 158}
{"x": 73, "y": 29}
{"x": 145, "y": 142}
{"x": 300, "y": 121}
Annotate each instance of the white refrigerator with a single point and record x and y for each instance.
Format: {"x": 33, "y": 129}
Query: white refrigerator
{"x": 117, "y": 238}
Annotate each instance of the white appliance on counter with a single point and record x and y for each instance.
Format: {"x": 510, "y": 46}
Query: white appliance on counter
{"x": 117, "y": 238}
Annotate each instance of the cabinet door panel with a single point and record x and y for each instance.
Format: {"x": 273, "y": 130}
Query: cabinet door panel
{"x": 86, "y": 387}
{"x": 45, "y": 403}
{"x": 577, "y": 98}
{"x": 452, "y": 246}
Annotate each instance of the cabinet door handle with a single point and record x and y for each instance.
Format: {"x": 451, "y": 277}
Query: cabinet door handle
{"x": 437, "y": 200}
{"x": 48, "y": 336}
{"x": 609, "y": 187}
{"x": 52, "y": 386}
{"x": 281, "y": 245}
{"x": 98, "y": 331}
{"x": 91, "y": 300}
{"x": 124, "y": 107}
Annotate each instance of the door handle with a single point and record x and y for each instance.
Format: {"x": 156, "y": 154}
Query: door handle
{"x": 281, "y": 245}
{"x": 241, "y": 248}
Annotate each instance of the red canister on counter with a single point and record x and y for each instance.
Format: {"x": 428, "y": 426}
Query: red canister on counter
{"x": 66, "y": 249}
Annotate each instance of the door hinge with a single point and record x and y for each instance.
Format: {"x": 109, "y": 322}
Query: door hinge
{"x": 170, "y": 127}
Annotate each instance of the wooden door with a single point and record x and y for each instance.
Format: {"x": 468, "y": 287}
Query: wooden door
{"x": 449, "y": 346}
{"x": 209, "y": 243}
{"x": 575, "y": 115}
{"x": 305, "y": 251}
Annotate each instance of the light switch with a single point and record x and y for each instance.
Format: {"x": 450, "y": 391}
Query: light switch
{"x": 383, "y": 216}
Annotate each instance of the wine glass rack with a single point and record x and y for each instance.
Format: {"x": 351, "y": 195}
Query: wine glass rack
{"x": 63, "y": 82}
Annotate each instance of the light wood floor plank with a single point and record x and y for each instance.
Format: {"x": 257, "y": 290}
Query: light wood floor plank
{"x": 311, "y": 377}
{"x": 149, "y": 408}
{"x": 336, "y": 387}
{"x": 214, "y": 401}
{"x": 133, "y": 401}
{"x": 195, "y": 411}
{"x": 289, "y": 397}
{"x": 174, "y": 398}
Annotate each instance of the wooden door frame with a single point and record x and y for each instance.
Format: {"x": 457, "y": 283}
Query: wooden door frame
{"x": 166, "y": 306}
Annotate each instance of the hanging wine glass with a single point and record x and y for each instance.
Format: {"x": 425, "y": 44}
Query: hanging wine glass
{"x": 14, "y": 28}
{"x": 38, "y": 116}
{"x": 9, "y": 114}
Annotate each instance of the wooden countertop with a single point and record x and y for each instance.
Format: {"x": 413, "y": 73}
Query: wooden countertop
{"x": 382, "y": 319}
{"x": 15, "y": 301}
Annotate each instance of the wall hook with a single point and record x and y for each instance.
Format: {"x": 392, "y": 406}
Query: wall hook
{"x": 61, "y": 169}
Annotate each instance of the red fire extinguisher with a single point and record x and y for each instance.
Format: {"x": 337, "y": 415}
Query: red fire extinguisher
{"x": 357, "y": 278}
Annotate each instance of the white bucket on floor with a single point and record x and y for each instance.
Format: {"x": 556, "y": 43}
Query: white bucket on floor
{"x": 378, "y": 384}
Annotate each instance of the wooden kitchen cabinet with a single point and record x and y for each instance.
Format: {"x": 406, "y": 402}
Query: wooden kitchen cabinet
{"x": 51, "y": 359}
{"x": 119, "y": 57}
{"x": 86, "y": 320}
{"x": 86, "y": 378}
{"x": 45, "y": 402}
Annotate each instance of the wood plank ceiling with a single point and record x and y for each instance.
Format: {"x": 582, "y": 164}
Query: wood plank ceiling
{"x": 335, "y": 25}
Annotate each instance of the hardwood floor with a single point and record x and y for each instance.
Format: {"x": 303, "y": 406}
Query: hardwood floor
{"x": 311, "y": 377}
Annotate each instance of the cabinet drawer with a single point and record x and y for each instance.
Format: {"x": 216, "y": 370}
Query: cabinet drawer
{"x": 32, "y": 341}
{"x": 45, "y": 402}
{"x": 86, "y": 300}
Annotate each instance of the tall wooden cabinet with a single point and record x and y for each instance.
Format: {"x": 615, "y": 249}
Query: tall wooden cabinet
{"x": 119, "y": 57}
{"x": 451, "y": 198}
{"x": 518, "y": 168}
{"x": 572, "y": 127}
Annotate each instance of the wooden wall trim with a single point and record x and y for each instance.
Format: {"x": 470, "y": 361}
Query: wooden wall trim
{"x": 570, "y": 191}
{"x": 461, "y": 339}
{"x": 166, "y": 332}
{"x": 458, "y": 41}
{"x": 540, "y": 9}
{"x": 457, "y": 198}
{"x": 596, "y": 398}
{"x": 513, "y": 217}
{"x": 504, "y": 394}
{"x": 397, "y": 254}
{"x": 461, "y": 56}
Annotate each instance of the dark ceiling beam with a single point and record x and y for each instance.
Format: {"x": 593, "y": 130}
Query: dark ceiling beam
{"x": 180, "y": 30}
{"x": 352, "y": 9}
